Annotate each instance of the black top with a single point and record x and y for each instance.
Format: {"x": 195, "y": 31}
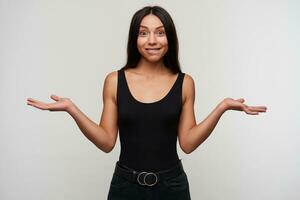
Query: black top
{"x": 148, "y": 131}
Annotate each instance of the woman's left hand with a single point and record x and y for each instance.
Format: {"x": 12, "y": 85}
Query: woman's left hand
{"x": 238, "y": 104}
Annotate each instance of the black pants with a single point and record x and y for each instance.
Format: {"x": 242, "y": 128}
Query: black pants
{"x": 174, "y": 188}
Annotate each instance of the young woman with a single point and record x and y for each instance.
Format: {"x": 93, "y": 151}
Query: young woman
{"x": 150, "y": 100}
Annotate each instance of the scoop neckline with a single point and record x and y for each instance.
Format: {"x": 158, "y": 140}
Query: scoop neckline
{"x": 154, "y": 102}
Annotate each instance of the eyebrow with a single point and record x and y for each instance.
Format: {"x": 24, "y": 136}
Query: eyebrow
{"x": 147, "y": 27}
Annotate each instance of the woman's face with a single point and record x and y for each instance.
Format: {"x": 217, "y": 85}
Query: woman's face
{"x": 152, "y": 40}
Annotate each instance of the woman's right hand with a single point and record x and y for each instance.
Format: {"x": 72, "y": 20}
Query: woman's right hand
{"x": 61, "y": 104}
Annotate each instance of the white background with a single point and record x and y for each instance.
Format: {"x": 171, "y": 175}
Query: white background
{"x": 240, "y": 49}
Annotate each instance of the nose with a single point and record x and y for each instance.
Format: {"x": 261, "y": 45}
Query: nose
{"x": 152, "y": 38}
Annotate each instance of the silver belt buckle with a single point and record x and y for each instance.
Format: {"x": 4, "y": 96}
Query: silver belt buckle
{"x": 143, "y": 181}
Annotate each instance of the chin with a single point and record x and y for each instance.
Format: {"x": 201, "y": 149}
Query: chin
{"x": 153, "y": 59}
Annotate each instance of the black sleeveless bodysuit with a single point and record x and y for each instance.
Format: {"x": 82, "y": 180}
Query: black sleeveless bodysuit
{"x": 148, "y": 131}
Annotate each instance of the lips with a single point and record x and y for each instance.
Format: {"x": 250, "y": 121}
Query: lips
{"x": 153, "y": 50}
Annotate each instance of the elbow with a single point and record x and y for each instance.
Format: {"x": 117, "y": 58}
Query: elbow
{"x": 186, "y": 152}
{"x": 186, "y": 149}
{"x": 105, "y": 148}
{"x": 108, "y": 149}
{"x": 108, "y": 145}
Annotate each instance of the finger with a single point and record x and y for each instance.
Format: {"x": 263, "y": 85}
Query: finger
{"x": 260, "y": 107}
{"x": 35, "y": 101}
{"x": 250, "y": 112}
{"x": 257, "y": 108}
{"x": 38, "y": 105}
{"x": 31, "y": 99}
{"x": 55, "y": 97}
{"x": 240, "y": 100}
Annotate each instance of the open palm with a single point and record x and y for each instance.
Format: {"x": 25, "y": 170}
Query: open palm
{"x": 239, "y": 105}
{"x": 61, "y": 104}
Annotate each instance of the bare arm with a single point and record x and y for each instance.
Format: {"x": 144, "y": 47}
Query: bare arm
{"x": 103, "y": 135}
{"x": 200, "y": 132}
{"x": 96, "y": 134}
{"x": 190, "y": 134}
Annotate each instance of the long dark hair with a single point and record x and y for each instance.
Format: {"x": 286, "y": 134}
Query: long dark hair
{"x": 170, "y": 59}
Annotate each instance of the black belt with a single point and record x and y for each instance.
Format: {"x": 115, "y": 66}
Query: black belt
{"x": 148, "y": 178}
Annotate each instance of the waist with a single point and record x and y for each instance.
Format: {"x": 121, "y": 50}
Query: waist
{"x": 148, "y": 178}
{"x": 148, "y": 159}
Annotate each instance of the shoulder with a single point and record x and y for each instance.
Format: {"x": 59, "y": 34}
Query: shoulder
{"x": 188, "y": 79}
{"x": 111, "y": 77}
{"x": 188, "y": 87}
{"x": 110, "y": 84}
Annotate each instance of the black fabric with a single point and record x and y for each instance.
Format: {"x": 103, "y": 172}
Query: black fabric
{"x": 148, "y": 131}
{"x": 173, "y": 184}
{"x": 149, "y": 179}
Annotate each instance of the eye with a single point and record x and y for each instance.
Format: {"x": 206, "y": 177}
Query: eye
{"x": 161, "y": 32}
{"x": 142, "y": 33}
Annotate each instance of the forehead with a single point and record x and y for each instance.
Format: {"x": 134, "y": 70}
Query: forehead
{"x": 151, "y": 21}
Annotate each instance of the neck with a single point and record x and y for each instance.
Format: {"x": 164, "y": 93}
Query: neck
{"x": 151, "y": 68}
